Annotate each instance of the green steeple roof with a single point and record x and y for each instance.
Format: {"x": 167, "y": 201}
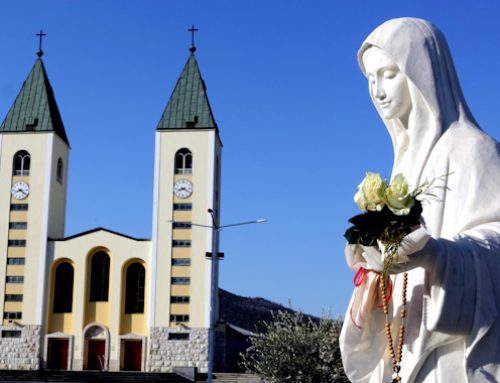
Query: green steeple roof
{"x": 188, "y": 106}
{"x": 35, "y": 108}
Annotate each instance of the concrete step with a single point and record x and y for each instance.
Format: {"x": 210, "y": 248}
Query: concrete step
{"x": 235, "y": 378}
{"x": 88, "y": 377}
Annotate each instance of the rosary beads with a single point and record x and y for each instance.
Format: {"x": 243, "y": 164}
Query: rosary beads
{"x": 396, "y": 358}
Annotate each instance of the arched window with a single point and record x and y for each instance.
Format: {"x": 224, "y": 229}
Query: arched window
{"x": 134, "y": 290}
{"x": 99, "y": 277}
{"x": 183, "y": 161}
{"x": 63, "y": 288}
{"x": 60, "y": 170}
{"x": 22, "y": 162}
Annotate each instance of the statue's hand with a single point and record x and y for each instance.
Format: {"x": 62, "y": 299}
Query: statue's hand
{"x": 373, "y": 257}
{"x": 413, "y": 242}
{"x": 413, "y": 251}
{"x": 354, "y": 257}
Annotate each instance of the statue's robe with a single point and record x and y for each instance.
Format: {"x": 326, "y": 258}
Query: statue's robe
{"x": 452, "y": 325}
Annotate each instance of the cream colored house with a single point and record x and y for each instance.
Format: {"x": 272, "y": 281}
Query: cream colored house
{"x": 100, "y": 299}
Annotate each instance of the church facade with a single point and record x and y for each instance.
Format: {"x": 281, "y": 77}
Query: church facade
{"x": 102, "y": 300}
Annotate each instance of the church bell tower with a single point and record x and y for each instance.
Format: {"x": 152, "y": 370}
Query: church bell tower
{"x": 34, "y": 153}
{"x": 186, "y": 185}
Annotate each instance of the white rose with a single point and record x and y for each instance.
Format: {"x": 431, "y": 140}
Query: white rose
{"x": 371, "y": 193}
{"x": 398, "y": 196}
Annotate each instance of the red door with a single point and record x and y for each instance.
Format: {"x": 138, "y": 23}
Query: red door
{"x": 95, "y": 355}
{"x": 57, "y": 354}
{"x": 132, "y": 355}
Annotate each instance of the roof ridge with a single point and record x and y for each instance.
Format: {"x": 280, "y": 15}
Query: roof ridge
{"x": 96, "y": 229}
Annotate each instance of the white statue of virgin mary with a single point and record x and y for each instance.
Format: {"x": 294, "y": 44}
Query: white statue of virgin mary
{"x": 453, "y": 260}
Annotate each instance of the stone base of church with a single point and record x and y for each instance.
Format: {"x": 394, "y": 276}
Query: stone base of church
{"x": 20, "y": 347}
{"x": 167, "y": 351}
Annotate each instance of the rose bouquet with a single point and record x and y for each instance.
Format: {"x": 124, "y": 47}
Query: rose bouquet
{"x": 392, "y": 211}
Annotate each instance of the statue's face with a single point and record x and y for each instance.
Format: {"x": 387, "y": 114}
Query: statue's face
{"x": 388, "y": 85}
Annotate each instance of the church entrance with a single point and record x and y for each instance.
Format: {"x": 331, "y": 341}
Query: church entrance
{"x": 57, "y": 354}
{"x": 96, "y": 354}
{"x": 132, "y": 355}
{"x": 96, "y": 347}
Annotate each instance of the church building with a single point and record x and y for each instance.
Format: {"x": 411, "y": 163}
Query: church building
{"x": 102, "y": 300}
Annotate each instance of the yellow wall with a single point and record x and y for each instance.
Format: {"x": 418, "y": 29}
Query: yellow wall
{"x": 134, "y": 324}
{"x": 182, "y": 290}
{"x": 181, "y": 271}
{"x": 13, "y": 288}
{"x": 177, "y": 308}
{"x": 97, "y": 312}
{"x": 18, "y": 216}
{"x": 17, "y": 234}
{"x": 15, "y": 270}
{"x": 182, "y": 234}
{"x": 16, "y": 252}
{"x": 13, "y": 306}
{"x": 61, "y": 322}
{"x": 111, "y": 313}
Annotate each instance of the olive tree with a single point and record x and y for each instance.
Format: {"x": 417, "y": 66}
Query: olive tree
{"x": 294, "y": 348}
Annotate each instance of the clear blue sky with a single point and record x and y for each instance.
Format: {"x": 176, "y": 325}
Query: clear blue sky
{"x": 298, "y": 127}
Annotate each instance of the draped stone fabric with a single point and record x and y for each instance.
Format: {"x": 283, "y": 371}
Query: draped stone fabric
{"x": 452, "y": 325}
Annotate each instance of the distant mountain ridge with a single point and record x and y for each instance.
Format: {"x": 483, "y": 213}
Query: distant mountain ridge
{"x": 246, "y": 312}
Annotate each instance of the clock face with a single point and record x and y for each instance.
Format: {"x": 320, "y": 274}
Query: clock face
{"x": 20, "y": 190}
{"x": 183, "y": 188}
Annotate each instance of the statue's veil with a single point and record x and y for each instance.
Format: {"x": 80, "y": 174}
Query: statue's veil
{"x": 421, "y": 53}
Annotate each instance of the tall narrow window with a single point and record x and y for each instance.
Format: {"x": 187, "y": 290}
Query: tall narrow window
{"x": 19, "y": 206}
{"x": 99, "y": 277}
{"x": 217, "y": 179}
{"x": 63, "y": 288}
{"x": 22, "y": 162}
{"x": 13, "y": 315}
{"x": 180, "y": 280}
{"x": 14, "y": 279}
{"x": 18, "y": 225}
{"x": 183, "y": 161}
{"x": 183, "y": 206}
{"x": 60, "y": 170}
{"x": 134, "y": 291}
{"x": 179, "y": 318}
{"x": 181, "y": 225}
{"x": 181, "y": 243}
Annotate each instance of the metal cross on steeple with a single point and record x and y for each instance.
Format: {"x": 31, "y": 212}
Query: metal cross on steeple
{"x": 41, "y": 35}
{"x": 192, "y": 30}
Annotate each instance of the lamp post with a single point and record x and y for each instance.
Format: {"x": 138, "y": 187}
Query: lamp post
{"x": 216, "y": 229}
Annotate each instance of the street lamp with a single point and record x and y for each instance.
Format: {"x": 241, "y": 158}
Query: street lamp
{"x": 214, "y": 279}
